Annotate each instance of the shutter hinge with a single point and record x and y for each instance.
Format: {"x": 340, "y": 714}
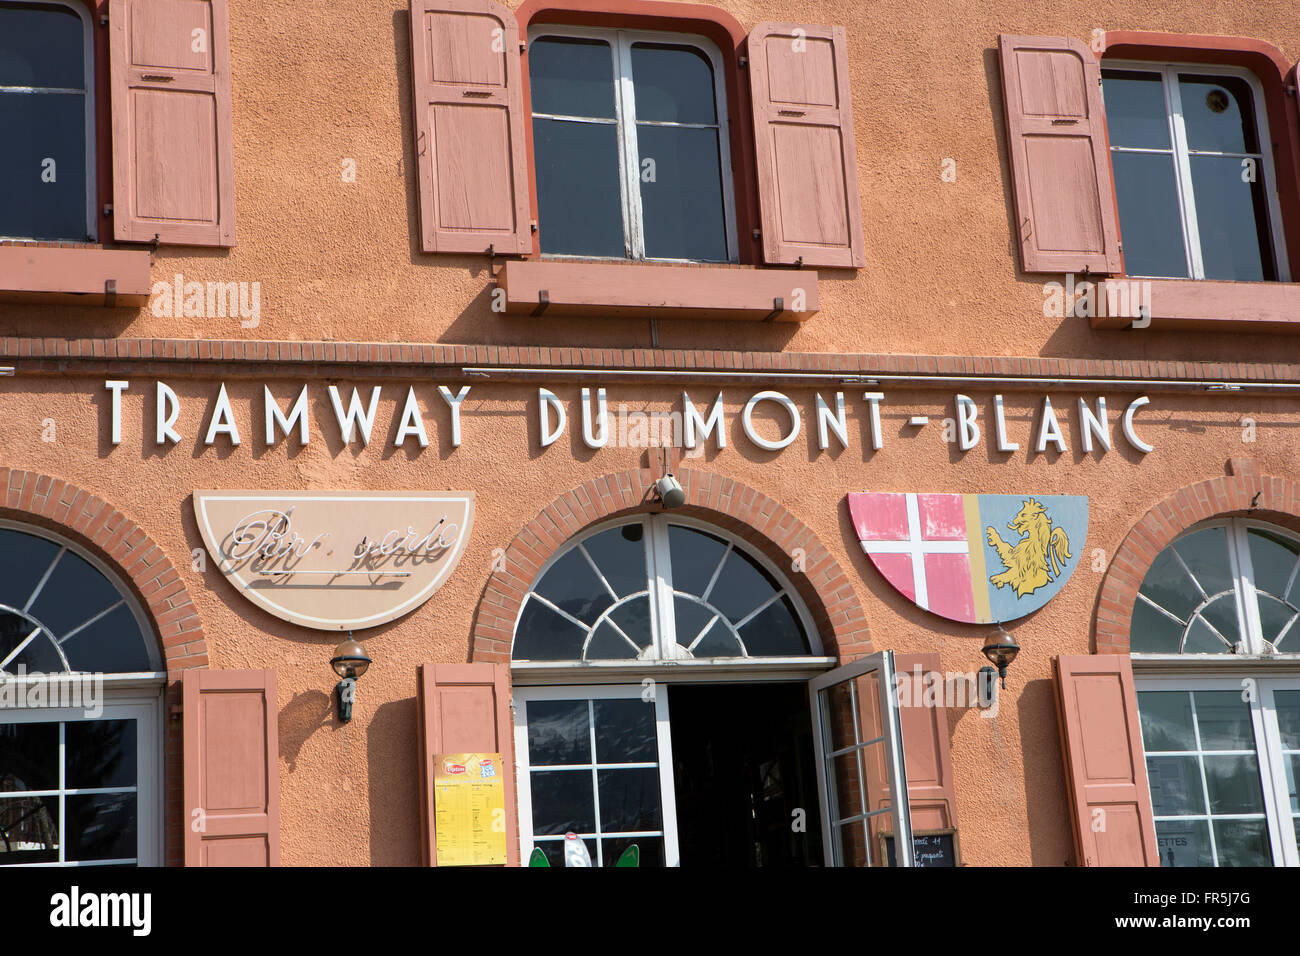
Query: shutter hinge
{"x": 756, "y": 234}
{"x": 153, "y": 247}
{"x": 103, "y": 20}
{"x": 532, "y": 225}
{"x": 108, "y": 209}
{"x": 742, "y": 62}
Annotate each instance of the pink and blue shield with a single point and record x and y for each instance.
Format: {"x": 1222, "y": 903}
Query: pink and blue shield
{"x": 977, "y": 559}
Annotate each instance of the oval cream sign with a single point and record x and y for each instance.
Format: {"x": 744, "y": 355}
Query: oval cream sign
{"x": 335, "y": 560}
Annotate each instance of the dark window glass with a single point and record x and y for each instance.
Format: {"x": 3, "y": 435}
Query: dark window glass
{"x": 579, "y": 193}
{"x": 563, "y": 802}
{"x": 1135, "y": 110}
{"x": 1166, "y": 720}
{"x": 1184, "y": 842}
{"x": 43, "y": 176}
{"x": 29, "y": 830}
{"x": 38, "y": 654}
{"x": 1218, "y": 114}
{"x": 543, "y": 635}
{"x": 629, "y": 799}
{"x": 1232, "y": 219}
{"x": 650, "y": 850}
{"x": 24, "y": 559}
{"x": 559, "y": 732}
{"x": 1149, "y": 215}
{"x": 571, "y": 77}
{"x": 774, "y": 632}
{"x": 620, "y": 555}
{"x": 741, "y": 587}
{"x": 1242, "y": 843}
{"x": 718, "y": 641}
{"x": 29, "y": 757}
{"x": 634, "y": 619}
{"x": 101, "y": 826}
{"x": 625, "y": 731}
{"x": 113, "y": 643}
{"x": 674, "y": 84}
{"x": 681, "y": 203}
{"x": 695, "y": 556}
{"x": 690, "y": 619}
{"x": 101, "y": 753}
{"x": 572, "y": 586}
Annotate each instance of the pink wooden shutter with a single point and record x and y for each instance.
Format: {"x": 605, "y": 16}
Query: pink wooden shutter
{"x": 464, "y": 708}
{"x": 803, "y": 135}
{"x": 173, "y": 169}
{"x": 1110, "y": 802}
{"x": 1060, "y": 156}
{"x": 926, "y": 750}
{"x": 469, "y": 127}
{"x": 232, "y": 769}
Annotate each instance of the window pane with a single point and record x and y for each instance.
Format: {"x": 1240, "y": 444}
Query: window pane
{"x": 608, "y": 645}
{"x": 24, "y": 559}
{"x": 1274, "y": 617}
{"x": 629, "y": 800}
{"x": 1176, "y": 789}
{"x": 559, "y": 732}
{"x": 39, "y": 655}
{"x": 563, "y": 802}
{"x": 579, "y": 196}
{"x": 742, "y": 586}
{"x": 681, "y": 205}
{"x": 554, "y": 850}
{"x": 695, "y": 556}
{"x": 774, "y": 632}
{"x": 650, "y": 849}
{"x": 634, "y": 618}
{"x": 625, "y": 731}
{"x": 1224, "y": 720}
{"x": 619, "y": 553}
{"x": 1273, "y": 558}
{"x": 1153, "y": 633}
{"x": 1287, "y": 705}
{"x": 1166, "y": 720}
{"x": 113, "y": 643}
{"x": 1135, "y": 109}
{"x": 673, "y": 84}
{"x": 29, "y": 757}
{"x": 101, "y": 826}
{"x": 543, "y": 635}
{"x": 718, "y": 641}
{"x": 1206, "y": 555}
{"x": 41, "y": 45}
{"x": 1184, "y": 842}
{"x": 1149, "y": 215}
{"x": 1233, "y": 783}
{"x": 1218, "y": 113}
{"x": 1226, "y": 630}
{"x": 101, "y": 753}
{"x": 691, "y": 618}
{"x": 30, "y": 826}
{"x": 1242, "y": 843}
{"x": 571, "y": 77}
{"x": 40, "y": 127}
{"x": 1292, "y": 764}
{"x": 572, "y": 586}
{"x": 75, "y": 593}
{"x": 1232, "y": 218}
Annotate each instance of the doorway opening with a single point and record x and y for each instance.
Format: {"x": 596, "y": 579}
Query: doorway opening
{"x": 745, "y": 775}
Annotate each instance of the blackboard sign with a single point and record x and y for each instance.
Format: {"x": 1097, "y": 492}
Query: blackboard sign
{"x": 929, "y": 848}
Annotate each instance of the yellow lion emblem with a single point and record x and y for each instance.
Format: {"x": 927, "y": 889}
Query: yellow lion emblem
{"x": 1037, "y": 558}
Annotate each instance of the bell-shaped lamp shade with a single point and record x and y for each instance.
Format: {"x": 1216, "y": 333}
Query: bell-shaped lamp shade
{"x": 350, "y": 659}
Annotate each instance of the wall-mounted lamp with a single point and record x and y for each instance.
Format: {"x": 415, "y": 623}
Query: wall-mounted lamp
{"x": 350, "y": 661}
{"x": 670, "y": 491}
{"x": 1001, "y": 649}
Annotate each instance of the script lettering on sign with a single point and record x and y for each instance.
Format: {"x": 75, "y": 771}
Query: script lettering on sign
{"x": 335, "y": 560}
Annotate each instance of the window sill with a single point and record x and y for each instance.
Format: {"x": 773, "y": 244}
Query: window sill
{"x": 546, "y": 287}
{"x": 1203, "y": 305}
{"x": 74, "y": 274}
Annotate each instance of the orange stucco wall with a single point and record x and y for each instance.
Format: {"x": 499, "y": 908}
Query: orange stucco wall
{"x": 317, "y": 84}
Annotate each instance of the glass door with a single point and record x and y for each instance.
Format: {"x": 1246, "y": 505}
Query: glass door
{"x": 860, "y": 770}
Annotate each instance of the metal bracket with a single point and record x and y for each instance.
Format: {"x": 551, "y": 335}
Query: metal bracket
{"x": 778, "y": 306}
{"x": 110, "y": 293}
{"x": 798, "y": 263}
{"x": 154, "y": 246}
{"x": 543, "y": 301}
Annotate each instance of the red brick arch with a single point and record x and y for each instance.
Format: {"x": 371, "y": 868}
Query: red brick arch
{"x": 1243, "y": 492}
{"x": 743, "y": 511}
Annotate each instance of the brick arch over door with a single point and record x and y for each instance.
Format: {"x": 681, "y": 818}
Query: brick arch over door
{"x": 743, "y": 511}
{"x": 1244, "y": 492}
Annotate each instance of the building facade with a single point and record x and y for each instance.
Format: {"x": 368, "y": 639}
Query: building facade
{"x": 675, "y": 400}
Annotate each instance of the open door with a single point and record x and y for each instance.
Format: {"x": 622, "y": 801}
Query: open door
{"x": 860, "y": 768}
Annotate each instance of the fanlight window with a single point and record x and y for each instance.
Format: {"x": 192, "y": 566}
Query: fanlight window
{"x": 1224, "y": 589}
{"x": 655, "y": 589}
{"x": 61, "y": 613}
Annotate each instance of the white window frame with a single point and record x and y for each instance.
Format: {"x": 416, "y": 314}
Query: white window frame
{"x": 1257, "y": 687}
{"x": 662, "y": 620}
{"x": 620, "y": 43}
{"x": 1242, "y": 570}
{"x": 135, "y": 697}
{"x": 1168, "y": 73}
{"x": 88, "y": 95}
{"x": 523, "y": 766}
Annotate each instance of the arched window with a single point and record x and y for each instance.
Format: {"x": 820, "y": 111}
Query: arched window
{"x": 1222, "y": 742}
{"x": 1227, "y": 588}
{"x": 80, "y": 696}
{"x": 61, "y": 612}
{"x": 654, "y": 588}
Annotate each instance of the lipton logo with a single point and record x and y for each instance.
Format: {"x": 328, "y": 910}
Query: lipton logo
{"x": 454, "y": 767}
{"x": 335, "y": 560}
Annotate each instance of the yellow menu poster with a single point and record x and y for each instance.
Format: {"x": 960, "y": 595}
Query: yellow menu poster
{"x": 469, "y": 809}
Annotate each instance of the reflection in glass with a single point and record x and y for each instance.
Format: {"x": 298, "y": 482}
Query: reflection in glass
{"x": 579, "y": 190}
{"x": 1232, "y": 219}
{"x": 101, "y": 826}
{"x": 568, "y": 76}
{"x": 1135, "y": 109}
{"x": 629, "y": 799}
{"x": 625, "y": 731}
{"x": 1166, "y": 720}
{"x": 1218, "y": 114}
{"x": 562, "y": 801}
{"x": 559, "y": 732}
{"x": 681, "y": 205}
